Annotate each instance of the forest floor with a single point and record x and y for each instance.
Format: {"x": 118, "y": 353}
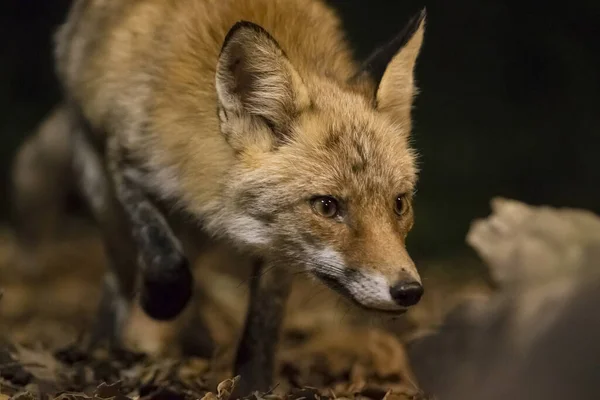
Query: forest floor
{"x": 328, "y": 348}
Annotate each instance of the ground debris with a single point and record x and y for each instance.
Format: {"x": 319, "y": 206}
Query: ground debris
{"x": 43, "y": 356}
{"x": 363, "y": 362}
{"x": 70, "y": 374}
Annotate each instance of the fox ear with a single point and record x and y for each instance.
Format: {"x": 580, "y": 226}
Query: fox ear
{"x": 392, "y": 67}
{"x": 255, "y": 78}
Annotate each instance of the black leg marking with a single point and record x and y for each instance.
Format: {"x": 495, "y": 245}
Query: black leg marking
{"x": 94, "y": 185}
{"x": 255, "y": 360}
{"x": 167, "y": 281}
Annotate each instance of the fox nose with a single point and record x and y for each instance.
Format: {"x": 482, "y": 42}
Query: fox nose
{"x": 407, "y": 293}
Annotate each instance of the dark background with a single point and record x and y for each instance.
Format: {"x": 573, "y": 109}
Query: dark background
{"x": 509, "y": 103}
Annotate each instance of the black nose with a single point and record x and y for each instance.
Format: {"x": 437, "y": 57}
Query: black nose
{"x": 407, "y": 293}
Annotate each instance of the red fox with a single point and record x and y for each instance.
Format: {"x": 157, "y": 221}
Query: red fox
{"x": 245, "y": 121}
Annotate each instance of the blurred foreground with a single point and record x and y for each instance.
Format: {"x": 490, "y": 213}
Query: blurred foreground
{"x": 464, "y": 340}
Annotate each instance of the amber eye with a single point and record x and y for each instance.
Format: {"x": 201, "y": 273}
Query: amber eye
{"x": 401, "y": 205}
{"x": 325, "y": 206}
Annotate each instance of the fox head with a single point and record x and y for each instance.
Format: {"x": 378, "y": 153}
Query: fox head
{"x": 324, "y": 175}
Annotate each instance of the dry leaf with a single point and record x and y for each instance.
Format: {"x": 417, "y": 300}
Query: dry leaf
{"x": 41, "y": 364}
{"x": 225, "y": 388}
{"x": 23, "y": 396}
{"x": 73, "y": 396}
{"x": 113, "y": 392}
{"x": 210, "y": 396}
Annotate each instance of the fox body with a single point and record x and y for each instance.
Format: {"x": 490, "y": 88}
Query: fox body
{"x": 244, "y": 121}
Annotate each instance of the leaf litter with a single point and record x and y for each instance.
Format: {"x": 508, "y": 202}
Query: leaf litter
{"x": 322, "y": 354}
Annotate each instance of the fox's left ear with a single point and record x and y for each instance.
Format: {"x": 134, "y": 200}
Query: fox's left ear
{"x": 392, "y": 67}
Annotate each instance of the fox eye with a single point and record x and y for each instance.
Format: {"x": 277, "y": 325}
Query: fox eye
{"x": 325, "y": 206}
{"x": 401, "y": 205}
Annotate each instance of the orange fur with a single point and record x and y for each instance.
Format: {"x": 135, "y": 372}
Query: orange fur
{"x": 242, "y": 127}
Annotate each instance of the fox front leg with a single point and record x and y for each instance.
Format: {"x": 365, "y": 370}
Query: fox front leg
{"x": 166, "y": 277}
{"x": 255, "y": 360}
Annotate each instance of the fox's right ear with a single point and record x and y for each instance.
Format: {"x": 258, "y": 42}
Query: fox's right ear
{"x": 255, "y": 79}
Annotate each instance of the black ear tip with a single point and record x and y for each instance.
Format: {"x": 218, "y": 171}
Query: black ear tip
{"x": 417, "y": 19}
{"x": 241, "y": 26}
{"x": 423, "y": 15}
